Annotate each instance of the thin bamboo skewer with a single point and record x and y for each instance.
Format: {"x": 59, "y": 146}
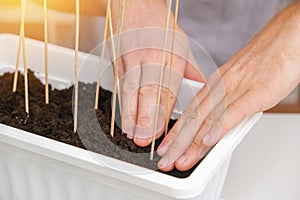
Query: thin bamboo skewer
{"x": 114, "y": 64}
{"x": 171, "y": 66}
{"x": 120, "y": 28}
{"x": 17, "y": 61}
{"x": 46, "y": 52}
{"x": 76, "y": 65}
{"x": 161, "y": 78}
{"x": 24, "y": 2}
{"x": 111, "y": 32}
{"x": 116, "y": 73}
{"x": 102, "y": 54}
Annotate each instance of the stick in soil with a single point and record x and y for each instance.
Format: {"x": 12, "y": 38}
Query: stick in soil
{"x": 23, "y": 7}
{"x": 120, "y": 28}
{"x": 17, "y": 61}
{"x": 171, "y": 66}
{"x": 161, "y": 78}
{"x": 76, "y": 65}
{"x": 46, "y": 52}
{"x": 116, "y": 67}
{"x": 114, "y": 59}
{"x": 102, "y": 54}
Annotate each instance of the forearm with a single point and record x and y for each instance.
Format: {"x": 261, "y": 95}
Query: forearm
{"x": 282, "y": 35}
{"x": 293, "y": 25}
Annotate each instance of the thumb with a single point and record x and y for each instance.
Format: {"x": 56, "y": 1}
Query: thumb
{"x": 192, "y": 70}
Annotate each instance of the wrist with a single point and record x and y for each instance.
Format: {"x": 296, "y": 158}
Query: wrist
{"x": 141, "y": 13}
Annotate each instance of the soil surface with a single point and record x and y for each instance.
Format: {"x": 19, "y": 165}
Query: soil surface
{"x": 55, "y": 120}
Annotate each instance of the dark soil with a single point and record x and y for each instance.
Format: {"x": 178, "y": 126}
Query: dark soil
{"x": 55, "y": 120}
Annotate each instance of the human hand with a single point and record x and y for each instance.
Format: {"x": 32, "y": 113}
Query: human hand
{"x": 254, "y": 80}
{"x": 140, "y": 67}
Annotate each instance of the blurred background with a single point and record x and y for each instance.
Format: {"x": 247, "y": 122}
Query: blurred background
{"x": 61, "y": 27}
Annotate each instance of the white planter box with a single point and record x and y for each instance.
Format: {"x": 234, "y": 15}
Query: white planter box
{"x": 33, "y": 167}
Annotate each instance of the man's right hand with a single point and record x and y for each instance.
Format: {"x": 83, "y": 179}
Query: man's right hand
{"x": 140, "y": 67}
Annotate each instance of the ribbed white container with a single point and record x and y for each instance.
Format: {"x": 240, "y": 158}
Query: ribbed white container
{"x": 34, "y": 168}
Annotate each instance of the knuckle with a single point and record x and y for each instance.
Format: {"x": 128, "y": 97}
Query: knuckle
{"x": 154, "y": 54}
{"x": 188, "y": 111}
{"x": 213, "y": 122}
{"x": 129, "y": 86}
{"x": 204, "y": 129}
{"x": 174, "y": 146}
{"x": 167, "y": 93}
{"x": 144, "y": 120}
{"x": 132, "y": 55}
{"x": 172, "y": 97}
{"x": 219, "y": 124}
{"x": 193, "y": 117}
{"x": 202, "y": 152}
{"x": 129, "y": 116}
{"x": 150, "y": 89}
{"x": 211, "y": 119}
{"x": 240, "y": 110}
{"x": 195, "y": 145}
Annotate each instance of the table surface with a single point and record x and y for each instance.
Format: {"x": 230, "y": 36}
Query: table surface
{"x": 266, "y": 165}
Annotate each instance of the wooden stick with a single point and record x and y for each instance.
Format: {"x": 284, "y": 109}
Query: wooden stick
{"x": 111, "y": 32}
{"x": 171, "y": 66}
{"x": 76, "y": 65}
{"x": 116, "y": 66}
{"x": 46, "y": 52}
{"x": 161, "y": 78}
{"x": 24, "y": 2}
{"x": 102, "y": 54}
{"x": 17, "y": 61}
{"x": 120, "y": 28}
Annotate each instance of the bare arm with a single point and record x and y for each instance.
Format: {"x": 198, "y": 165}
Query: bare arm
{"x": 254, "y": 80}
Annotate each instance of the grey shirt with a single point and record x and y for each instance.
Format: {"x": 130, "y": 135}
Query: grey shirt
{"x": 223, "y": 27}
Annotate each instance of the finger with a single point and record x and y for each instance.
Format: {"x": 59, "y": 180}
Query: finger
{"x": 121, "y": 67}
{"x": 201, "y": 98}
{"x": 197, "y": 149}
{"x": 151, "y": 74}
{"x": 129, "y": 94}
{"x": 171, "y": 84}
{"x": 234, "y": 114}
{"x": 191, "y": 157}
{"x": 182, "y": 50}
{"x": 193, "y": 71}
{"x": 193, "y": 118}
{"x": 235, "y": 89}
{"x": 171, "y": 136}
{"x": 147, "y": 105}
{"x": 189, "y": 137}
{"x": 180, "y": 144}
{"x": 213, "y": 121}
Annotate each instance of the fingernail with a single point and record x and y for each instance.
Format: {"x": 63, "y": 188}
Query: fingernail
{"x": 182, "y": 160}
{"x": 163, "y": 163}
